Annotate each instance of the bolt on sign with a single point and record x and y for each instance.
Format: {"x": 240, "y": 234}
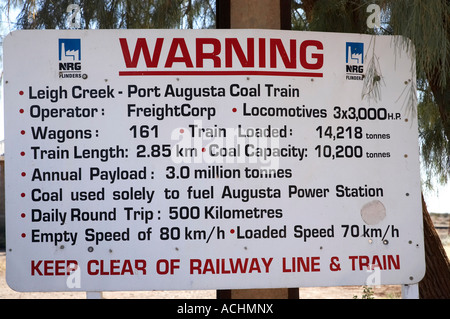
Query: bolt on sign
{"x": 210, "y": 159}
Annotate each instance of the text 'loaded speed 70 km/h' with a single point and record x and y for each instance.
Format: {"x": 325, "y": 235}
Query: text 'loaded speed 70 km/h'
{"x": 209, "y": 159}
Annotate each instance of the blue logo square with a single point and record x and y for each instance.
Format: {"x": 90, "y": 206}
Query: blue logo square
{"x": 69, "y": 50}
{"x": 354, "y": 52}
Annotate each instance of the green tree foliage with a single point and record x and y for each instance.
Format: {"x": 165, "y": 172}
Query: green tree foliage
{"x": 427, "y": 24}
{"x": 115, "y": 14}
{"x": 435, "y": 148}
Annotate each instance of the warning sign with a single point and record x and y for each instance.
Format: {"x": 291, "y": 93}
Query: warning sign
{"x": 209, "y": 159}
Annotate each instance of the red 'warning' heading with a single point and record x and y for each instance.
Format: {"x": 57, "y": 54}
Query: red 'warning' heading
{"x": 229, "y": 56}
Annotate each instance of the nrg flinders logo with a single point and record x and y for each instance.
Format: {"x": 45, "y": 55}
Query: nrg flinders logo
{"x": 69, "y": 55}
{"x": 354, "y": 59}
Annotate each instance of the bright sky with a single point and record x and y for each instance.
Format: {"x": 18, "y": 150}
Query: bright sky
{"x": 439, "y": 203}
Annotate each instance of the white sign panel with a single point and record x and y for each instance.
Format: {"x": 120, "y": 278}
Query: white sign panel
{"x": 209, "y": 159}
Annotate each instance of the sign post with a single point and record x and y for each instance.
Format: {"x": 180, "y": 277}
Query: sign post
{"x": 209, "y": 159}
{"x": 250, "y": 14}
